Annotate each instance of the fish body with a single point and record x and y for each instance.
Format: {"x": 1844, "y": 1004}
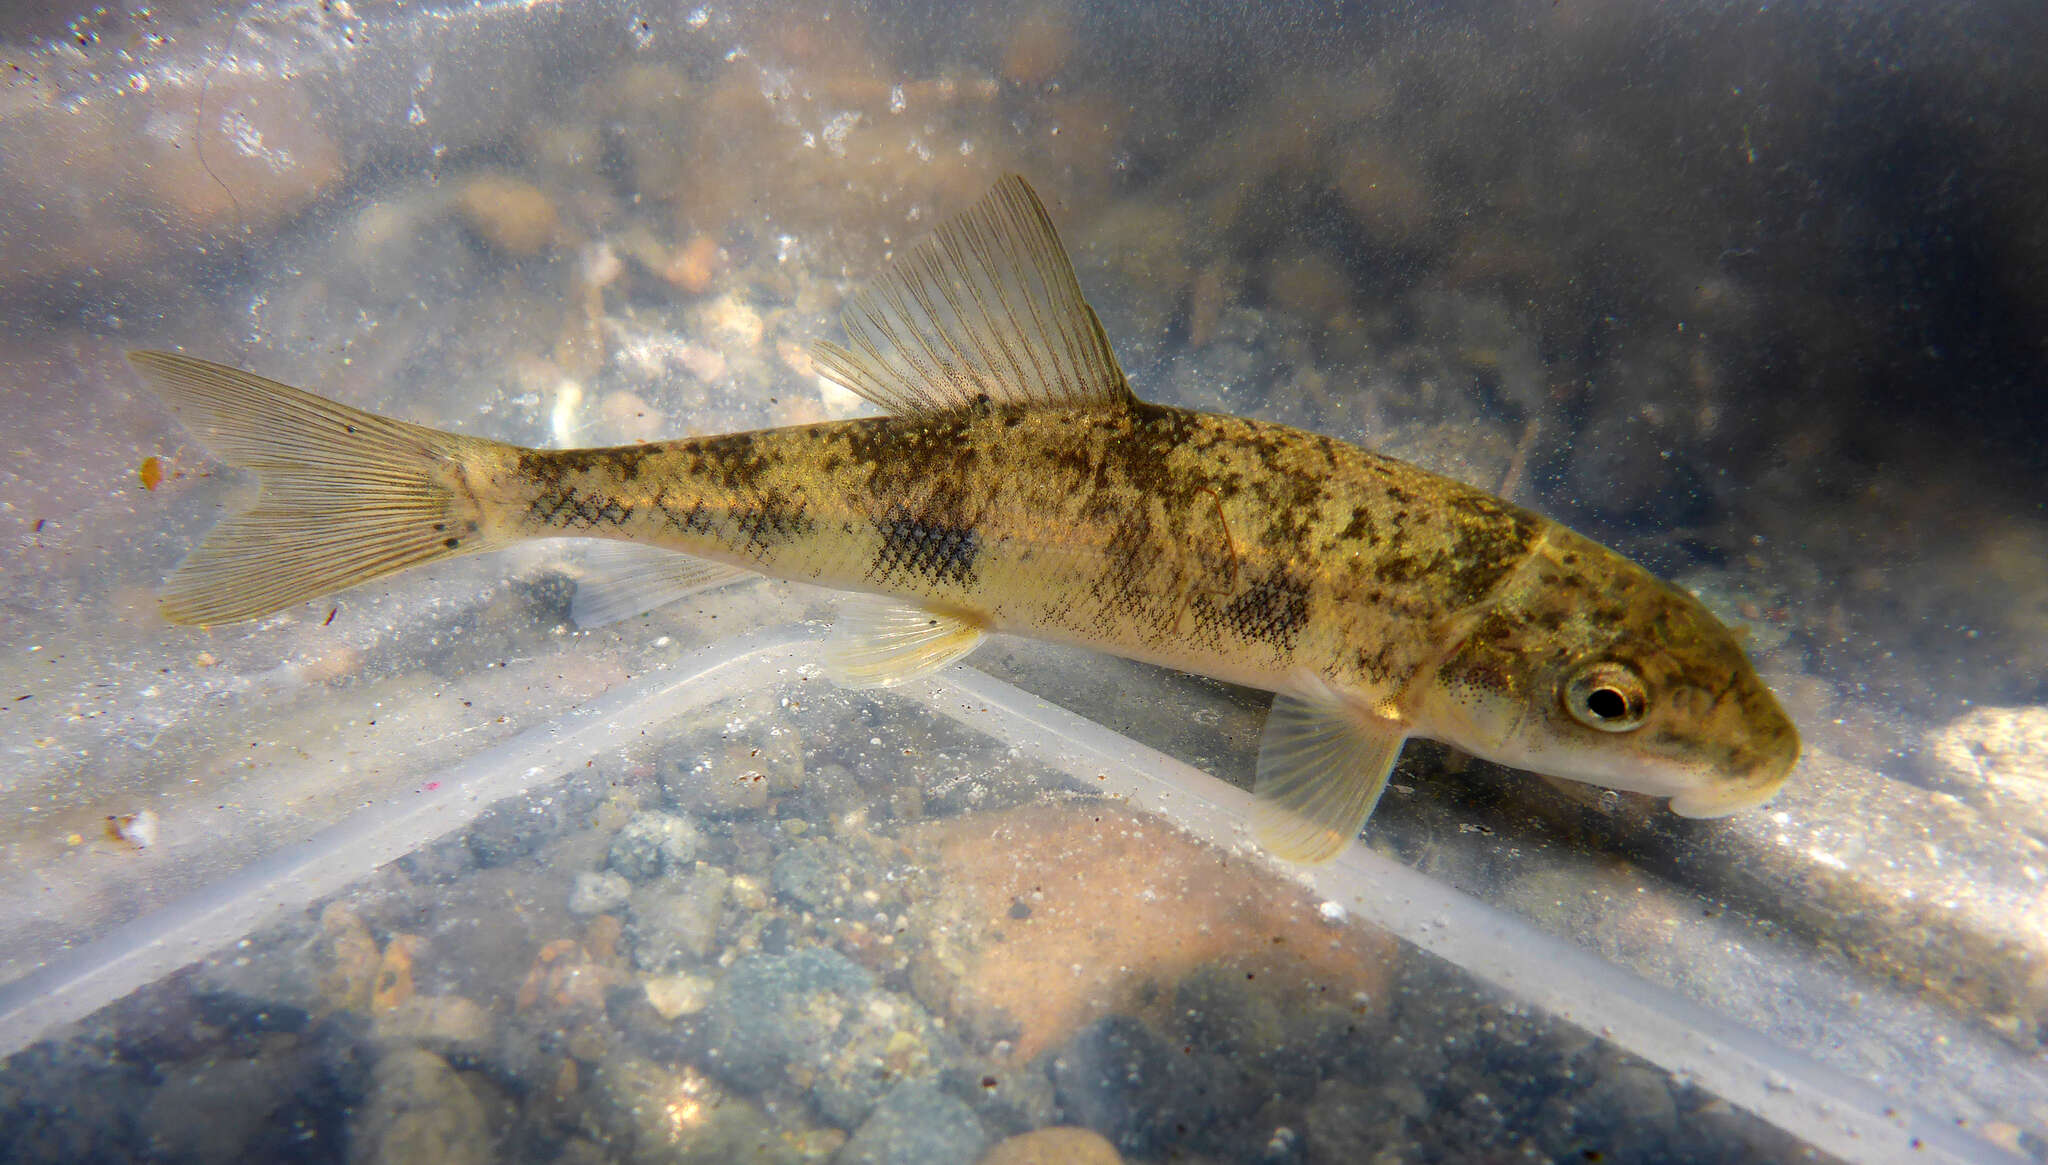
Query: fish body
{"x": 1019, "y": 487}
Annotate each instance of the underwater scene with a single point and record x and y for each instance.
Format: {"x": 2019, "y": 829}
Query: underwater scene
{"x": 557, "y": 854}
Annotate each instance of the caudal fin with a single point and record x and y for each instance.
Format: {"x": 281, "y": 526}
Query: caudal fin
{"x": 344, "y": 496}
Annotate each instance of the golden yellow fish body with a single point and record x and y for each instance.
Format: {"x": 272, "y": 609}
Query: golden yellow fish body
{"x": 1020, "y": 487}
{"x": 1214, "y": 544}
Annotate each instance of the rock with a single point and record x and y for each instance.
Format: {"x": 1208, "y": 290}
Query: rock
{"x": 1125, "y": 898}
{"x": 266, "y": 155}
{"x": 1038, "y": 46}
{"x": 1349, "y": 1122}
{"x": 599, "y": 892}
{"x": 733, "y": 774}
{"x": 1007, "y": 1096}
{"x": 812, "y": 874}
{"x": 1308, "y": 284}
{"x": 510, "y": 214}
{"x": 1382, "y": 189}
{"x": 1634, "y": 1101}
{"x": 731, "y": 321}
{"x": 1063, "y": 1145}
{"x": 681, "y": 1117}
{"x": 652, "y": 844}
{"x": 346, "y": 959}
{"x": 394, "y": 972}
{"x": 1122, "y": 1080}
{"x": 674, "y": 996}
{"x": 817, "y": 1016}
{"x": 2001, "y": 756}
{"x": 447, "y": 1025}
{"x": 211, "y": 1110}
{"x": 1221, "y": 1011}
{"x": 674, "y": 921}
{"x": 695, "y": 264}
{"x": 915, "y": 1124}
{"x": 420, "y": 1112}
{"x": 510, "y": 830}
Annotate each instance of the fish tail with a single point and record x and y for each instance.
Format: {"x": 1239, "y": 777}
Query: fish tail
{"x": 344, "y": 496}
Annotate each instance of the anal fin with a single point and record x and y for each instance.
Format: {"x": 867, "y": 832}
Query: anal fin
{"x": 1324, "y": 760}
{"x": 618, "y": 580}
{"x": 879, "y": 642}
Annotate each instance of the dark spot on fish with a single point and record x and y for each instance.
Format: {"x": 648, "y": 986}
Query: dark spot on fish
{"x": 935, "y": 552}
{"x": 1271, "y": 611}
{"x": 775, "y": 519}
{"x": 1360, "y": 527}
{"x": 452, "y": 543}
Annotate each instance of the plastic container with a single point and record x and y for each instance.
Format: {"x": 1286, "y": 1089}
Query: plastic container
{"x": 427, "y": 872}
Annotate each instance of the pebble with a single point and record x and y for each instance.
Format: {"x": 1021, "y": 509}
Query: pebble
{"x": 682, "y": 1117}
{"x": 212, "y": 1110}
{"x": 674, "y": 996}
{"x": 511, "y": 214}
{"x": 675, "y": 920}
{"x": 652, "y": 844}
{"x": 812, "y": 874}
{"x": 1350, "y": 1122}
{"x": 598, "y": 892}
{"x": 345, "y": 959}
{"x": 447, "y": 1025}
{"x": 420, "y": 1112}
{"x": 815, "y": 1015}
{"x": 1121, "y": 1079}
{"x": 695, "y": 265}
{"x": 733, "y": 322}
{"x": 1090, "y": 874}
{"x": 916, "y": 1124}
{"x": 1039, "y": 45}
{"x": 1308, "y": 284}
{"x": 2001, "y": 756}
{"x": 1382, "y": 189}
{"x": 1061, "y": 1145}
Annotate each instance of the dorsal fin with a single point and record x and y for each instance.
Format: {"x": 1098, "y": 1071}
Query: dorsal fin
{"x": 987, "y": 307}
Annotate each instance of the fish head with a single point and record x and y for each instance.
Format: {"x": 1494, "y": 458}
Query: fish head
{"x": 1588, "y": 667}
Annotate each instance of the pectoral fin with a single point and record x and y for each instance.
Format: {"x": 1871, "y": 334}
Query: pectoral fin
{"x": 618, "y": 580}
{"x": 879, "y": 642}
{"x": 1323, "y": 763}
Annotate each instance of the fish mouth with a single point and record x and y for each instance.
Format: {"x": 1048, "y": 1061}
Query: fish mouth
{"x": 1722, "y": 797}
{"x": 1722, "y": 800}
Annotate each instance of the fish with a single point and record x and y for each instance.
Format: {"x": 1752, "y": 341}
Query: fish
{"x": 1015, "y": 484}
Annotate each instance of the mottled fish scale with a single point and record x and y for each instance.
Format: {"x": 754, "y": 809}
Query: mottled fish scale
{"x": 1022, "y": 487}
{"x": 1204, "y": 542}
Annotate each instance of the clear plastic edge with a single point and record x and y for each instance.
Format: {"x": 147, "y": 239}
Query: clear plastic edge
{"x": 1826, "y": 1108}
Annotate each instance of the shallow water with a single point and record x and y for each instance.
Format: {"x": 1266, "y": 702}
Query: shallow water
{"x": 1748, "y": 295}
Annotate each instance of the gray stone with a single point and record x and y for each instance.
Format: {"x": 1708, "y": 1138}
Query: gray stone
{"x": 812, "y": 874}
{"x": 817, "y": 1010}
{"x": 599, "y": 892}
{"x": 211, "y": 1110}
{"x": 1121, "y": 1079}
{"x": 675, "y": 921}
{"x": 653, "y": 843}
{"x": 916, "y": 1124}
{"x": 1635, "y": 1097}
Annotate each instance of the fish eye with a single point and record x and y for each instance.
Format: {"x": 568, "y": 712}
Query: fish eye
{"x": 1607, "y": 696}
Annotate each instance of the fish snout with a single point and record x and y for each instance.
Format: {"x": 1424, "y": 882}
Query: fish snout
{"x": 1759, "y": 772}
